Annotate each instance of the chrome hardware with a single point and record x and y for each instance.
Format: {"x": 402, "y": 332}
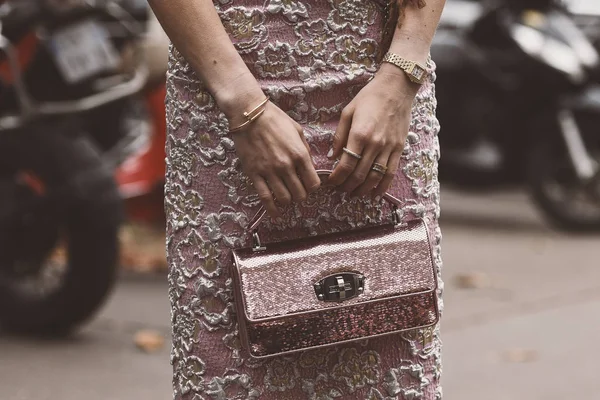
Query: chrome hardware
{"x": 396, "y": 217}
{"x": 340, "y": 287}
{"x": 256, "y": 245}
{"x": 584, "y": 164}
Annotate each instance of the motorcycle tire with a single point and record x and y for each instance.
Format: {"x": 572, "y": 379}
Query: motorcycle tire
{"x": 549, "y": 159}
{"x": 85, "y": 200}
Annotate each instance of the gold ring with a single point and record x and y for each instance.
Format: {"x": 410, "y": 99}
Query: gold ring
{"x": 382, "y": 169}
{"x": 351, "y": 153}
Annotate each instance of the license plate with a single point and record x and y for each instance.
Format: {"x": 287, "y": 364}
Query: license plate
{"x": 83, "y": 50}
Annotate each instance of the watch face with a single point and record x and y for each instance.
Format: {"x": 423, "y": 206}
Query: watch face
{"x": 418, "y": 72}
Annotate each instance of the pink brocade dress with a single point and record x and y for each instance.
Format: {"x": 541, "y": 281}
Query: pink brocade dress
{"x": 311, "y": 57}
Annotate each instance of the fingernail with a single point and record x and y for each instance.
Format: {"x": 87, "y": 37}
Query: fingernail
{"x": 378, "y": 198}
{"x": 330, "y": 154}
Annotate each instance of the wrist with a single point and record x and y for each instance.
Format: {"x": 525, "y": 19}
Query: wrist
{"x": 412, "y": 47}
{"x": 240, "y": 95}
{"x": 396, "y": 78}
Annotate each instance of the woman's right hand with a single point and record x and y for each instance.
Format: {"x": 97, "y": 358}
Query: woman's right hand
{"x": 275, "y": 156}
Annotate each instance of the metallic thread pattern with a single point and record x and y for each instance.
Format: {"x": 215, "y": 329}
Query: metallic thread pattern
{"x": 311, "y": 57}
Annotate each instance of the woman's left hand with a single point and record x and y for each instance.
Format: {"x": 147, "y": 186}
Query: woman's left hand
{"x": 374, "y": 125}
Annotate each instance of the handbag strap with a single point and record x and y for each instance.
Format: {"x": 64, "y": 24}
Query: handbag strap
{"x": 259, "y": 216}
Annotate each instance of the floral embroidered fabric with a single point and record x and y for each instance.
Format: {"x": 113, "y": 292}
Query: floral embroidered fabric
{"x": 311, "y": 57}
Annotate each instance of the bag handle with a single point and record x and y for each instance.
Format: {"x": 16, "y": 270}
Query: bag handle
{"x": 262, "y": 212}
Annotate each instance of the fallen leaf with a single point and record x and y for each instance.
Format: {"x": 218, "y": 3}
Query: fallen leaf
{"x": 520, "y": 355}
{"x": 472, "y": 280}
{"x": 149, "y": 341}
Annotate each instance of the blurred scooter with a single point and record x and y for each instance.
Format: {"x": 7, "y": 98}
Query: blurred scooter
{"x": 517, "y": 105}
{"x": 70, "y": 113}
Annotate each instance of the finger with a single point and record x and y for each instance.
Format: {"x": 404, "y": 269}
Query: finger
{"x": 373, "y": 177}
{"x": 309, "y": 176}
{"x": 342, "y": 132}
{"x": 280, "y": 190}
{"x": 295, "y": 187}
{"x": 361, "y": 171}
{"x": 305, "y": 168}
{"x": 265, "y": 196}
{"x": 345, "y": 167}
{"x": 385, "y": 183}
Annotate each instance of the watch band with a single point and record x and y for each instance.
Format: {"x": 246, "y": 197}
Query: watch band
{"x": 416, "y": 72}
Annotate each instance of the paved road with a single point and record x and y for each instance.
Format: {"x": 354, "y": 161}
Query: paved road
{"x": 531, "y": 334}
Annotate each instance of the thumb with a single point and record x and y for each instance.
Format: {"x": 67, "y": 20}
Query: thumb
{"x": 340, "y": 138}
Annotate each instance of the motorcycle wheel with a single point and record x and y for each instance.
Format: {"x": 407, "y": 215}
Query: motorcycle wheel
{"x": 73, "y": 200}
{"x": 567, "y": 203}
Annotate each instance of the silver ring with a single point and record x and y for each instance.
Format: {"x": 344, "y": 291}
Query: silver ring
{"x": 351, "y": 153}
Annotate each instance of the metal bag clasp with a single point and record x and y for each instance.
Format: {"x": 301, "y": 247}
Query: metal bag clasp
{"x": 340, "y": 287}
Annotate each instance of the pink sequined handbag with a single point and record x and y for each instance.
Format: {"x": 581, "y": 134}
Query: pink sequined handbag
{"x": 335, "y": 288}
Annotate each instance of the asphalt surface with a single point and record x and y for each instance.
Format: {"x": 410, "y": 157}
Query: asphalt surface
{"x": 528, "y": 331}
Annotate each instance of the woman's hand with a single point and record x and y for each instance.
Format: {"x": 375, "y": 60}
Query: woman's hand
{"x": 374, "y": 125}
{"x": 275, "y": 156}
{"x": 271, "y": 149}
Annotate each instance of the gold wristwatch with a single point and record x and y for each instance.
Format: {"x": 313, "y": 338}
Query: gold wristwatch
{"x": 416, "y": 72}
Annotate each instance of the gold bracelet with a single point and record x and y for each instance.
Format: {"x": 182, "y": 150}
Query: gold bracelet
{"x": 252, "y": 115}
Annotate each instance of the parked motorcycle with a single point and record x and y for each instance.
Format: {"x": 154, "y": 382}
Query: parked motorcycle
{"x": 70, "y": 113}
{"x": 517, "y": 105}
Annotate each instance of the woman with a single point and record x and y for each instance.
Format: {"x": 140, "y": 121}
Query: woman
{"x": 331, "y": 104}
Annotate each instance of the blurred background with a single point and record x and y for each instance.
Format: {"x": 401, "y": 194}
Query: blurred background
{"x": 83, "y": 296}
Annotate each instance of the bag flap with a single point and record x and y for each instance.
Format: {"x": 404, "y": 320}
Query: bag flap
{"x": 280, "y": 280}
